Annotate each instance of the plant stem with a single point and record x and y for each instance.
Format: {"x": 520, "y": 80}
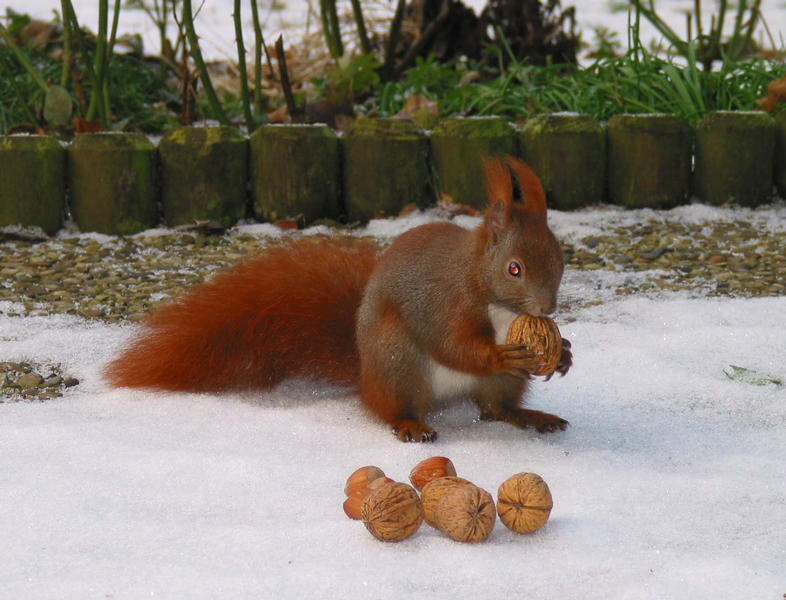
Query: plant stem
{"x": 390, "y": 51}
{"x": 113, "y": 32}
{"x": 365, "y": 44}
{"x": 66, "y": 44}
{"x": 96, "y": 100}
{"x": 295, "y": 113}
{"x": 107, "y": 110}
{"x": 330, "y": 27}
{"x": 241, "y": 64}
{"x": 259, "y": 41}
{"x": 196, "y": 53}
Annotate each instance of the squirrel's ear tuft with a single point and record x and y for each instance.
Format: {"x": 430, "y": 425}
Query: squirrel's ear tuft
{"x": 500, "y": 195}
{"x": 498, "y": 184}
{"x": 533, "y": 197}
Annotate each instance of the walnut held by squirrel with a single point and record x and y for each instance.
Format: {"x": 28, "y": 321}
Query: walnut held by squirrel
{"x": 425, "y": 319}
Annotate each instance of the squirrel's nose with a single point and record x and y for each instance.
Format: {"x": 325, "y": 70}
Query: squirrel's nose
{"x": 547, "y": 307}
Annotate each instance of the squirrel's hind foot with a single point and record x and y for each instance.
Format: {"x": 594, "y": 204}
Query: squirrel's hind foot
{"x": 414, "y": 431}
{"x": 522, "y": 417}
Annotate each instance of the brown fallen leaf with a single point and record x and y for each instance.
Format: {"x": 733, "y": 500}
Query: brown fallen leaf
{"x": 776, "y": 95}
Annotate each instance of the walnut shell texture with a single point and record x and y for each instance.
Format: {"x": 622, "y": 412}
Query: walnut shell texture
{"x": 393, "y": 512}
{"x": 466, "y": 514}
{"x": 433, "y": 491}
{"x": 539, "y": 334}
{"x": 524, "y": 502}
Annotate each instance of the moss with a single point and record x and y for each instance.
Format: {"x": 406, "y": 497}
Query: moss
{"x": 780, "y": 152}
{"x": 459, "y": 146}
{"x": 32, "y": 182}
{"x": 568, "y": 152}
{"x": 400, "y": 129}
{"x": 204, "y": 173}
{"x": 294, "y": 171}
{"x": 473, "y": 127}
{"x": 649, "y": 160}
{"x": 734, "y": 158}
{"x": 113, "y": 183}
{"x": 385, "y": 167}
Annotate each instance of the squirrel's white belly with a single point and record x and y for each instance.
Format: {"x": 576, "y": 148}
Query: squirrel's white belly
{"x": 447, "y": 382}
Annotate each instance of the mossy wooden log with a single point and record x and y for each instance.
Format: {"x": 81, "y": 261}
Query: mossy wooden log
{"x": 649, "y": 160}
{"x": 295, "y": 172}
{"x": 780, "y": 153}
{"x": 112, "y": 179}
{"x": 32, "y": 182}
{"x": 735, "y": 158}
{"x": 385, "y": 167}
{"x": 204, "y": 175}
{"x": 458, "y": 146}
{"x": 568, "y": 152}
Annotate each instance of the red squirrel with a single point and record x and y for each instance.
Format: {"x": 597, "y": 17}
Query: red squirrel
{"x": 425, "y": 319}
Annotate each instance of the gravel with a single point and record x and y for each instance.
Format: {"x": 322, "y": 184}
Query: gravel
{"x": 117, "y": 279}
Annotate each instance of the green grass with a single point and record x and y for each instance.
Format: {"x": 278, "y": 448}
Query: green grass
{"x": 137, "y": 94}
{"x": 637, "y": 82}
{"x": 633, "y": 83}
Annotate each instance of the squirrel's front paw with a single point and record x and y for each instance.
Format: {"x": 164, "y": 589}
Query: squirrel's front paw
{"x": 566, "y": 360}
{"x": 414, "y": 431}
{"x": 517, "y": 360}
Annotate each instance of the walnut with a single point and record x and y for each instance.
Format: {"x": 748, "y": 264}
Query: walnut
{"x": 392, "y": 512}
{"x": 466, "y": 514}
{"x": 524, "y": 502}
{"x": 541, "y": 335}
{"x": 430, "y": 469}
{"x": 433, "y": 491}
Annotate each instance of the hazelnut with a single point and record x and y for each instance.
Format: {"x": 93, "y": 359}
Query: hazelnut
{"x": 430, "y": 469}
{"x": 466, "y": 514}
{"x": 434, "y": 490}
{"x": 541, "y": 335}
{"x": 392, "y": 512}
{"x": 361, "y": 478}
{"x": 352, "y": 506}
{"x": 524, "y": 502}
{"x": 353, "y": 502}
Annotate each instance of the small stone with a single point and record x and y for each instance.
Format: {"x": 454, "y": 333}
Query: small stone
{"x": 29, "y": 380}
{"x": 52, "y": 381}
{"x": 651, "y": 254}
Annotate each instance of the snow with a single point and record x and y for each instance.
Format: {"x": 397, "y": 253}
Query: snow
{"x": 669, "y": 483}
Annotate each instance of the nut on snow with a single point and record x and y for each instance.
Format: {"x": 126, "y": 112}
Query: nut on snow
{"x": 392, "y": 512}
{"x": 430, "y": 469}
{"x": 524, "y": 502}
{"x": 541, "y": 335}
{"x": 466, "y": 514}
{"x": 361, "y": 478}
{"x": 355, "y": 500}
{"x": 433, "y": 491}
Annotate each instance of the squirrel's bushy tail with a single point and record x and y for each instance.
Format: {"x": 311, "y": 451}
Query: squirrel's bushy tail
{"x": 288, "y": 313}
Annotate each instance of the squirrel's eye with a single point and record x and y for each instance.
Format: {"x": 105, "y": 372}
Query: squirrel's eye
{"x": 514, "y": 268}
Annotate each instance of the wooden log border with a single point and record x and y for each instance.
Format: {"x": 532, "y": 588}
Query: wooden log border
{"x": 581, "y": 162}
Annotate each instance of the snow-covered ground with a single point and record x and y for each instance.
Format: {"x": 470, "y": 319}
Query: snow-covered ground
{"x": 669, "y": 483}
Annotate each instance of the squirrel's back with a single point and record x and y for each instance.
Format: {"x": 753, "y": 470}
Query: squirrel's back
{"x": 288, "y": 313}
